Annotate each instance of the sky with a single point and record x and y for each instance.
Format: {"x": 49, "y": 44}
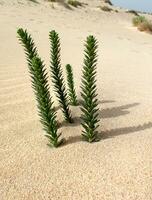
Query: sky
{"x": 141, "y": 5}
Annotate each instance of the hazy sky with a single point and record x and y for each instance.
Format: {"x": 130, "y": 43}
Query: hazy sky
{"x": 142, "y": 5}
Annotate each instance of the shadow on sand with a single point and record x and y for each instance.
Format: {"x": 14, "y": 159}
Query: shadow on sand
{"x": 104, "y": 113}
{"x": 110, "y": 113}
{"x": 125, "y": 130}
{"x": 116, "y": 111}
{"x": 112, "y": 133}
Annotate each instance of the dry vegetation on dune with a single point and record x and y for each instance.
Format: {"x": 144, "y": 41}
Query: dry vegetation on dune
{"x": 34, "y": 1}
{"x": 142, "y": 23}
{"x": 132, "y": 12}
{"x": 106, "y": 8}
{"x": 145, "y": 26}
{"x": 74, "y": 3}
{"x": 108, "y": 2}
{"x": 66, "y": 3}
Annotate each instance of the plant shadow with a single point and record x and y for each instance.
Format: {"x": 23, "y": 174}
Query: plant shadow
{"x": 99, "y": 102}
{"x": 112, "y": 133}
{"x": 76, "y": 122}
{"x": 73, "y": 140}
{"x": 56, "y": 108}
{"x": 104, "y": 113}
{"x": 124, "y": 130}
{"x": 116, "y": 111}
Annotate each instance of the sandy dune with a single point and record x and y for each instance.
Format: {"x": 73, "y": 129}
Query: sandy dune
{"x": 119, "y": 167}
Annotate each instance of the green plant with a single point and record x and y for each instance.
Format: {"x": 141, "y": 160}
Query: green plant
{"x": 28, "y": 44}
{"x": 74, "y": 3}
{"x": 45, "y": 104}
{"x": 41, "y": 88}
{"x": 90, "y": 102}
{"x": 71, "y": 89}
{"x": 138, "y": 20}
{"x": 57, "y": 76}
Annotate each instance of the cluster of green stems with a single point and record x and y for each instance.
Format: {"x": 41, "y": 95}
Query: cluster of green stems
{"x": 65, "y": 97}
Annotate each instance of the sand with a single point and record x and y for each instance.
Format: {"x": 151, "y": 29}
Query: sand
{"x": 120, "y": 165}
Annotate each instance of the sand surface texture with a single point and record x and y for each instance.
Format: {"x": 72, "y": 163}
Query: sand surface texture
{"x": 119, "y": 167}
